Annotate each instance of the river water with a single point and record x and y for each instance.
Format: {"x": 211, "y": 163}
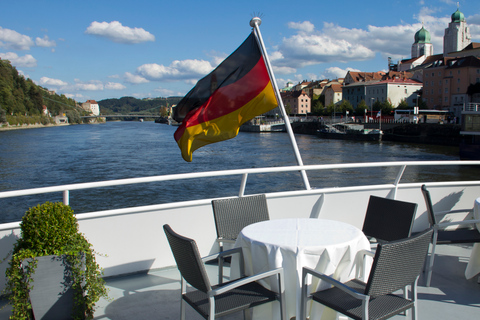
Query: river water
{"x": 116, "y": 150}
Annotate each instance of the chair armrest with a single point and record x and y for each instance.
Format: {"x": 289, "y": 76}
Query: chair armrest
{"x": 243, "y": 281}
{"x": 443, "y": 225}
{"x": 223, "y": 254}
{"x": 306, "y": 271}
{"x": 225, "y": 240}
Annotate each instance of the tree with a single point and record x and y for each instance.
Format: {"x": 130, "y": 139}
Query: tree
{"x": 360, "y": 109}
{"x": 403, "y": 105}
{"x": 3, "y": 117}
{"x": 73, "y": 116}
{"x": 317, "y": 107}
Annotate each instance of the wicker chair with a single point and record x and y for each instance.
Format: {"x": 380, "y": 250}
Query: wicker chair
{"x": 388, "y": 219}
{"x": 233, "y": 214}
{"x": 467, "y": 234}
{"x": 396, "y": 265}
{"x": 212, "y": 301}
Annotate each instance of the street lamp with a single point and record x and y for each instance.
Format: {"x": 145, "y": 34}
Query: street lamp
{"x": 371, "y": 106}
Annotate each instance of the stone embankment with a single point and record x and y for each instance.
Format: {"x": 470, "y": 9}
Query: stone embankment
{"x": 4, "y": 127}
{"x": 425, "y": 133}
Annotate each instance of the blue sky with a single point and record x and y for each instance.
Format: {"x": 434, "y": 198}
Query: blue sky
{"x": 109, "y": 49}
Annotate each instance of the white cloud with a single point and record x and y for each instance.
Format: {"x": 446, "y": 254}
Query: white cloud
{"x": 92, "y": 85}
{"x": 116, "y": 32}
{"x": 283, "y": 70}
{"x": 26, "y": 61}
{"x": 45, "y": 42}
{"x": 177, "y": 70}
{"x": 336, "y": 72}
{"x": 114, "y": 86}
{"x": 11, "y": 39}
{"x": 45, "y": 81}
{"x": 305, "y": 26}
{"x": 135, "y": 79}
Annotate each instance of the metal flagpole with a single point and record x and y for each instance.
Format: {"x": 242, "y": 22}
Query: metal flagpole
{"x": 255, "y": 23}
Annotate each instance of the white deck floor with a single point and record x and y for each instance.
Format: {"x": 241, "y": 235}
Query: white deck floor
{"x": 156, "y": 295}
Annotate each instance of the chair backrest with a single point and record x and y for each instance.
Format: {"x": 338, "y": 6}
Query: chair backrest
{"x": 398, "y": 263}
{"x": 429, "y": 205}
{"x": 187, "y": 257}
{"x": 388, "y": 219}
{"x": 233, "y": 214}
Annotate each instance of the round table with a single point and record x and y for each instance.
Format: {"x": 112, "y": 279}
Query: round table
{"x": 473, "y": 266}
{"x": 327, "y": 246}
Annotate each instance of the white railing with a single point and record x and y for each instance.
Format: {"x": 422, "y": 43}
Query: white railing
{"x": 132, "y": 240}
{"x": 402, "y": 165}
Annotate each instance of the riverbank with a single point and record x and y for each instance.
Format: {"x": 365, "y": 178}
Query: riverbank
{"x": 7, "y": 127}
{"x": 425, "y": 133}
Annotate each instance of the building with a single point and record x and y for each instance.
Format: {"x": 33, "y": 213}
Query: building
{"x": 333, "y": 94}
{"x": 394, "y": 90}
{"x": 457, "y": 35}
{"x": 297, "y": 102}
{"x": 91, "y": 106}
{"x": 446, "y": 82}
{"x": 422, "y": 45}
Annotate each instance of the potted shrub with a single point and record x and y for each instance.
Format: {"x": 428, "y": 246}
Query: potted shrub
{"x": 50, "y": 233}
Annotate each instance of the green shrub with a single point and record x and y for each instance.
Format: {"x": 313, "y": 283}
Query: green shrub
{"x": 52, "y": 229}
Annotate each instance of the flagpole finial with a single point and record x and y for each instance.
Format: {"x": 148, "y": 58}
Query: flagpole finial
{"x": 255, "y": 21}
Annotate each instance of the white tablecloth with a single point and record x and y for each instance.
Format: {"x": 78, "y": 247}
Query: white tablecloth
{"x": 473, "y": 266}
{"x": 324, "y": 245}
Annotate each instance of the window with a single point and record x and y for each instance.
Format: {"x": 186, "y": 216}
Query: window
{"x": 446, "y": 90}
{"x": 439, "y": 73}
{"x": 458, "y": 80}
{"x": 458, "y": 89}
{"x": 406, "y": 91}
{"x": 446, "y": 99}
{"x": 433, "y": 74}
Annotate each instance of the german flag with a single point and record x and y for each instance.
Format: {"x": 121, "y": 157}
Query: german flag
{"x": 238, "y": 90}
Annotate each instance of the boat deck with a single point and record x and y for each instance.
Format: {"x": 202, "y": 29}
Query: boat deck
{"x": 155, "y": 295}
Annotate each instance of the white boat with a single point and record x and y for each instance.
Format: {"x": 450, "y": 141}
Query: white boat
{"x": 140, "y": 269}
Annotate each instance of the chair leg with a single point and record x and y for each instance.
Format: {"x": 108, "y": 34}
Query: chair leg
{"x": 182, "y": 309}
{"x": 431, "y": 258}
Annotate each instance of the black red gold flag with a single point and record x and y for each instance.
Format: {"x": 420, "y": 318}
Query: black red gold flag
{"x": 238, "y": 90}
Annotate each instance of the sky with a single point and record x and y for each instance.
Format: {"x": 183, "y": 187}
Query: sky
{"x": 95, "y": 50}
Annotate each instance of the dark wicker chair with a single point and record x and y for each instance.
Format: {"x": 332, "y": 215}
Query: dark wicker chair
{"x": 467, "y": 233}
{"x": 396, "y": 265}
{"x": 388, "y": 219}
{"x": 212, "y": 301}
{"x": 233, "y": 214}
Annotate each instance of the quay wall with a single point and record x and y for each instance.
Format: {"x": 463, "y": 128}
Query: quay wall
{"x": 425, "y": 133}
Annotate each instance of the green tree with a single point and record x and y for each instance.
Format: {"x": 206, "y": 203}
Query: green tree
{"x": 317, "y": 107}
{"x": 386, "y": 107}
{"x": 403, "y": 104}
{"x": 3, "y": 117}
{"x": 73, "y": 116}
{"x": 360, "y": 109}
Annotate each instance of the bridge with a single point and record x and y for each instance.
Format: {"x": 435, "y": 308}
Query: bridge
{"x": 124, "y": 116}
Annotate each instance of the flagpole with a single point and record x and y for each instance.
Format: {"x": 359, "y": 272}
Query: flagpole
{"x": 255, "y": 23}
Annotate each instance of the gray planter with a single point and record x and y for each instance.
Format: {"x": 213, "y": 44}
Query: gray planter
{"x": 52, "y": 295}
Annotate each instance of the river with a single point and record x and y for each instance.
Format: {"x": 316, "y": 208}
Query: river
{"x": 52, "y": 156}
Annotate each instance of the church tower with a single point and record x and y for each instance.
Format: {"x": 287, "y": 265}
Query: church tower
{"x": 422, "y": 45}
{"x": 457, "y": 35}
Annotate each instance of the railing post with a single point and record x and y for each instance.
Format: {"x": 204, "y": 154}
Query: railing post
{"x": 66, "y": 197}
{"x": 243, "y": 184}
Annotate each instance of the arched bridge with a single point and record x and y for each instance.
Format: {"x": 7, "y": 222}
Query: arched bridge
{"x": 124, "y": 116}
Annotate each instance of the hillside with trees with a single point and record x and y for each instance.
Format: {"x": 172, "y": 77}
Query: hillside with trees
{"x": 131, "y": 105}
{"x": 22, "y": 101}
